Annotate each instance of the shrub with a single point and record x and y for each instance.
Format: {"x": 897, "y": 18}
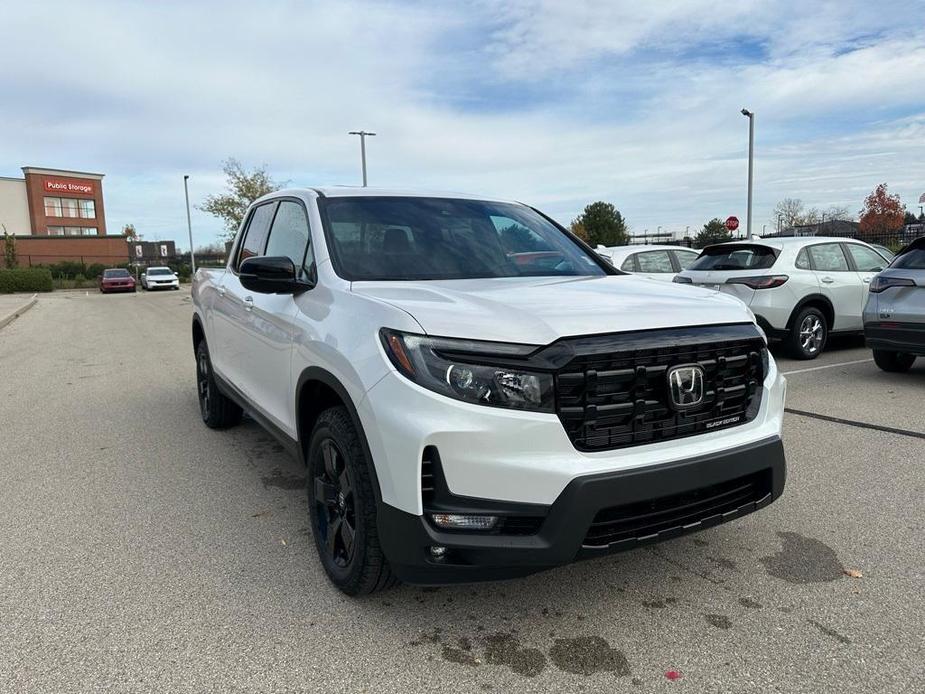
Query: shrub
{"x": 79, "y": 281}
{"x": 25, "y": 280}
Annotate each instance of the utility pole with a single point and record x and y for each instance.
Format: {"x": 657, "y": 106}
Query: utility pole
{"x": 751, "y": 160}
{"x": 189, "y": 226}
{"x": 363, "y": 135}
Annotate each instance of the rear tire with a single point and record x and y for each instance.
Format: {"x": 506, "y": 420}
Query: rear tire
{"x": 894, "y": 362}
{"x": 808, "y": 335}
{"x": 342, "y": 507}
{"x": 218, "y": 411}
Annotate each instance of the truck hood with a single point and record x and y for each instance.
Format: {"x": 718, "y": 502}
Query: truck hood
{"x": 540, "y": 310}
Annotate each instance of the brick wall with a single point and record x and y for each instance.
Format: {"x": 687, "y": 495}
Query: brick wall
{"x": 47, "y": 250}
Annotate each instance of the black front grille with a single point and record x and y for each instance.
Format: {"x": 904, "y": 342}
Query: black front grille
{"x": 614, "y": 392}
{"x": 657, "y": 519}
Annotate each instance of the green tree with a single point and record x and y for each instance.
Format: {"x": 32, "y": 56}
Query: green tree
{"x": 714, "y": 231}
{"x": 9, "y": 248}
{"x": 910, "y": 218}
{"x": 243, "y": 188}
{"x": 603, "y": 224}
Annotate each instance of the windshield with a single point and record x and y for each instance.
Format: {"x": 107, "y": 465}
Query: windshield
{"x": 738, "y": 257}
{"x": 411, "y": 238}
{"x": 160, "y": 271}
{"x": 116, "y": 273}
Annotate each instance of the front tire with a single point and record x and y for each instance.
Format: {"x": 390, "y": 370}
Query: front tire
{"x": 217, "y": 411}
{"x": 894, "y": 362}
{"x": 809, "y": 334}
{"x": 342, "y": 507}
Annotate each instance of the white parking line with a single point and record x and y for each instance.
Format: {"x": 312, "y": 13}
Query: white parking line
{"x": 826, "y": 366}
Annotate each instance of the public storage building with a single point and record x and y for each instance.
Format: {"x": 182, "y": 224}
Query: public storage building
{"x": 58, "y": 215}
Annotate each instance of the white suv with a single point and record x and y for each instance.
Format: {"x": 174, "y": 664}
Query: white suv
{"x": 657, "y": 262}
{"x": 800, "y": 289}
{"x": 475, "y": 393}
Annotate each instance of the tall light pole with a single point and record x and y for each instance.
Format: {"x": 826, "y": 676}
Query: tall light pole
{"x": 363, "y": 135}
{"x": 751, "y": 160}
{"x": 189, "y": 225}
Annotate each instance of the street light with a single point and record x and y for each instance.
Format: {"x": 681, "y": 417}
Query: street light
{"x": 363, "y": 135}
{"x": 751, "y": 159}
{"x": 189, "y": 226}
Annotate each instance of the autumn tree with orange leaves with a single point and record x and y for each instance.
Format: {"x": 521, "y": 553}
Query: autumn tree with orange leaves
{"x": 883, "y": 214}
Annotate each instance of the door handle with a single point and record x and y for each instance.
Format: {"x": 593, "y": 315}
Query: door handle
{"x": 248, "y": 303}
{"x": 867, "y": 280}
{"x": 827, "y": 280}
{"x": 220, "y": 290}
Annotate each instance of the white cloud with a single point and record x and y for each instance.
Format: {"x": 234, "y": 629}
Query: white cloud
{"x": 630, "y": 102}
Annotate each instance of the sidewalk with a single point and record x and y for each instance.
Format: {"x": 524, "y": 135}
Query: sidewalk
{"x": 14, "y": 305}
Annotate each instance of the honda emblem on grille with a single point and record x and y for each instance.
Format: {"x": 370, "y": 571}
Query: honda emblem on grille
{"x": 685, "y": 386}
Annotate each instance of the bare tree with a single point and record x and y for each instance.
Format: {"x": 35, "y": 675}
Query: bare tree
{"x": 789, "y": 211}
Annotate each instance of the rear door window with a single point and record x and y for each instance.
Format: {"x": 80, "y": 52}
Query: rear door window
{"x": 654, "y": 261}
{"x": 629, "y": 265}
{"x": 685, "y": 258}
{"x": 735, "y": 257}
{"x": 829, "y": 257}
{"x": 866, "y": 259}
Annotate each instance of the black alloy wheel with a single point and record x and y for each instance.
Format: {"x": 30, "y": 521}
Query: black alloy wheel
{"x": 203, "y": 383}
{"x": 335, "y": 502}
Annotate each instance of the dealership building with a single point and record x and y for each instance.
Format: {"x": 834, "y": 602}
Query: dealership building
{"x": 59, "y": 215}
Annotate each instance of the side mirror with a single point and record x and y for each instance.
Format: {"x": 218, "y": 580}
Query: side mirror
{"x": 271, "y": 275}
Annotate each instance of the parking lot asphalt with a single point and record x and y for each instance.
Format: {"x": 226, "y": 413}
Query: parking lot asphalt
{"x": 143, "y": 552}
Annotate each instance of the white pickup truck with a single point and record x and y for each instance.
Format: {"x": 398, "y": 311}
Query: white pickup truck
{"x": 475, "y": 393}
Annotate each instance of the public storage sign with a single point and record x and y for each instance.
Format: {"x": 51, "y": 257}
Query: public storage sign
{"x": 68, "y": 186}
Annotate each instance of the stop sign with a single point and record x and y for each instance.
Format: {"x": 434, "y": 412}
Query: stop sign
{"x": 732, "y": 223}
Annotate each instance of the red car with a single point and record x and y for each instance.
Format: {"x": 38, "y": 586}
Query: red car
{"x": 116, "y": 280}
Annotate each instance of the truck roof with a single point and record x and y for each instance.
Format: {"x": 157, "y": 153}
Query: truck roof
{"x": 360, "y": 191}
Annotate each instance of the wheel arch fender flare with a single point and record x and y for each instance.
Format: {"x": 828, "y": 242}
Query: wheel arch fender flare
{"x": 316, "y": 374}
{"x": 827, "y": 309}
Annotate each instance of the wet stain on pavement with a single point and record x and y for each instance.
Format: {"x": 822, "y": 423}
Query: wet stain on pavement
{"x": 803, "y": 560}
{"x": 281, "y": 481}
{"x": 658, "y": 604}
{"x": 462, "y": 655}
{"x": 505, "y": 649}
{"x": 719, "y": 621}
{"x": 586, "y": 655}
{"x": 841, "y": 638}
{"x": 748, "y": 602}
{"x": 724, "y": 563}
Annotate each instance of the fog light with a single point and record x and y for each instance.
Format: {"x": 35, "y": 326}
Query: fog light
{"x": 458, "y": 521}
{"x": 437, "y": 551}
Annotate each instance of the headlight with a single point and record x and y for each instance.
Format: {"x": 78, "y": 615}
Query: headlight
{"x": 462, "y": 369}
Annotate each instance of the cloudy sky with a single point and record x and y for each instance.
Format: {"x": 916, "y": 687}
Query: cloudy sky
{"x": 552, "y": 102}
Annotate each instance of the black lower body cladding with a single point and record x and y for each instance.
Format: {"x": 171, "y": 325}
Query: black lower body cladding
{"x": 594, "y": 515}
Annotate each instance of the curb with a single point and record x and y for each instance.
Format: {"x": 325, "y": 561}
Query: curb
{"x": 6, "y": 320}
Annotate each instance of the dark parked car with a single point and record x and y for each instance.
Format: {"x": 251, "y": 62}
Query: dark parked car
{"x": 116, "y": 280}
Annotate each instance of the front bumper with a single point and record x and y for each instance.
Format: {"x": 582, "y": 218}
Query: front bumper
{"x": 175, "y": 284}
{"x": 896, "y": 337}
{"x": 593, "y": 516}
